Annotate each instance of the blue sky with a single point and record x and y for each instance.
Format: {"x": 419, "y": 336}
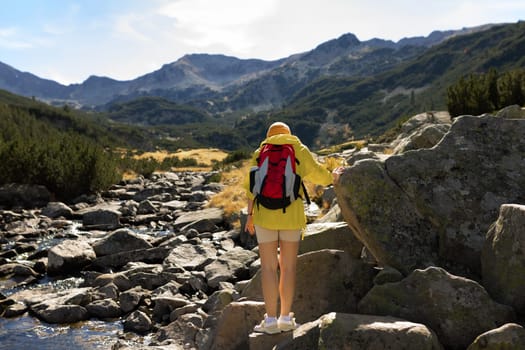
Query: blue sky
{"x": 69, "y": 40}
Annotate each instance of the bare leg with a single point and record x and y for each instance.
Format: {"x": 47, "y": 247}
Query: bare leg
{"x": 288, "y": 267}
{"x": 269, "y": 279}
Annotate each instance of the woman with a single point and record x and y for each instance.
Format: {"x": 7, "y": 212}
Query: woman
{"x": 280, "y": 230}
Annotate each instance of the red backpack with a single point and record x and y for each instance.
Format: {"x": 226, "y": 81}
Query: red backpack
{"x": 274, "y": 182}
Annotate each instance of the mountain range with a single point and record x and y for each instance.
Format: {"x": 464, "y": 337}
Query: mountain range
{"x": 342, "y": 88}
{"x": 203, "y": 76}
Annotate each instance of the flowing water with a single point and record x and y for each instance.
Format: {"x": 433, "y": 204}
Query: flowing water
{"x": 27, "y": 332}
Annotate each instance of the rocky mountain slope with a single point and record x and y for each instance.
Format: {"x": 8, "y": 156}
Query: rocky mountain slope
{"x": 201, "y": 75}
{"x": 341, "y": 89}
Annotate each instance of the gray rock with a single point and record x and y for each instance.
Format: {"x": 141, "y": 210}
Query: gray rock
{"x": 219, "y": 300}
{"x": 327, "y": 281}
{"x": 424, "y": 130}
{"x": 14, "y": 310}
{"x": 245, "y": 315}
{"x": 70, "y": 255}
{"x": 138, "y": 322}
{"x": 351, "y": 331}
{"x": 150, "y": 280}
{"x": 502, "y": 260}
{"x": 203, "y": 225}
{"x": 456, "y": 308}
{"x": 157, "y": 254}
{"x": 149, "y": 192}
{"x": 191, "y": 257}
{"x": 433, "y": 207}
{"x": 333, "y": 235}
{"x": 426, "y": 137}
{"x": 121, "y": 240}
{"x": 129, "y": 208}
{"x": 512, "y": 112}
{"x": 508, "y": 336}
{"x": 23, "y": 270}
{"x": 215, "y": 215}
{"x": 62, "y": 314}
{"x": 106, "y": 308}
{"x": 379, "y": 213}
{"x": 231, "y": 266}
{"x": 146, "y": 207}
{"x": 130, "y": 299}
{"x": 118, "y": 279}
{"x": 25, "y": 196}
{"x": 108, "y": 291}
{"x": 388, "y": 275}
{"x": 188, "y": 313}
{"x": 361, "y": 155}
{"x": 63, "y": 307}
{"x": 101, "y": 219}
{"x": 57, "y": 209}
{"x": 164, "y": 305}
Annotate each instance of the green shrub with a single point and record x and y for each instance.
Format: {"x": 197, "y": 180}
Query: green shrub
{"x": 34, "y": 151}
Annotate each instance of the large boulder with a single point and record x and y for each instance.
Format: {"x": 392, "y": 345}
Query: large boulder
{"x": 503, "y": 262}
{"x": 434, "y": 206}
{"x": 214, "y": 215}
{"x": 509, "y": 336}
{"x": 351, "y": 331}
{"x": 101, "y": 219}
{"x": 25, "y": 196}
{"x": 57, "y": 209}
{"x": 69, "y": 256}
{"x": 121, "y": 240}
{"x": 63, "y": 307}
{"x": 424, "y": 130}
{"x": 150, "y": 255}
{"x": 327, "y": 280}
{"x": 456, "y": 308}
{"x": 230, "y": 267}
{"x": 330, "y": 235}
{"x": 191, "y": 257}
{"x": 244, "y": 315}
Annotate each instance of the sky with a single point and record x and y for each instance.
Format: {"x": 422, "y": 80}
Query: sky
{"x": 70, "y": 40}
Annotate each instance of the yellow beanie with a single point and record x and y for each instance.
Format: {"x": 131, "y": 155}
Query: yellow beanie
{"x": 278, "y": 128}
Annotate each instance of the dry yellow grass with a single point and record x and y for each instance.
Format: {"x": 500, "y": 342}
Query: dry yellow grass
{"x": 205, "y": 157}
{"x": 202, "y": 155}
{"x": 233, "y": 198}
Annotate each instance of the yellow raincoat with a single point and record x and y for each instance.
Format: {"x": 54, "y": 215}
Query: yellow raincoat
{"x": 308, "y": 168}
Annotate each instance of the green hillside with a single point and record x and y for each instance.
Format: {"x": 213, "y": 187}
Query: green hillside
{"x": 156, "y": 111}
{"x": 65, "y": 152}
{"x": 328, "y": 111}
{"x": 373, "y": 105}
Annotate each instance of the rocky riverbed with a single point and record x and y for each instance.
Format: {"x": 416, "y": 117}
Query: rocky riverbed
{"x": 429, "y": 255}
{"x": 139, "y": 256}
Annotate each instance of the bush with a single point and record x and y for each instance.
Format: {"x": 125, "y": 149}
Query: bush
{"x": 484, "y": 93}
{"x": 33, "y": 151}
{"x": 66, "y": 165}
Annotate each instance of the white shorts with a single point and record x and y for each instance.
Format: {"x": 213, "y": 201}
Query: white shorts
{"x": 265, "y": 235}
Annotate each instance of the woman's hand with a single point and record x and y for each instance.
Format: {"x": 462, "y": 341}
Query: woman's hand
{"x": 336, "y": 174}
{"x": 249, "y": 225}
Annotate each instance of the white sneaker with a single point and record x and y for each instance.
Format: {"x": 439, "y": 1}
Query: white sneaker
{"x": 267, "y": 326}
{"x": 287, "y": 325}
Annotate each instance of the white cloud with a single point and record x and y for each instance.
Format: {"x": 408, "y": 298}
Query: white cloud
{"x": 10, "y": 39}
{"x": 216, "y": 25}
{"x": 129, "y": 24}
{"x": 125, "y": 39}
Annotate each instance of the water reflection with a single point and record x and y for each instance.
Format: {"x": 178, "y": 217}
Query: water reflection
{"x": 30, "y": 333}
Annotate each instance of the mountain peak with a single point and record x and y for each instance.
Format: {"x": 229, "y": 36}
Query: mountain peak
{"x": 343, "y": 42}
